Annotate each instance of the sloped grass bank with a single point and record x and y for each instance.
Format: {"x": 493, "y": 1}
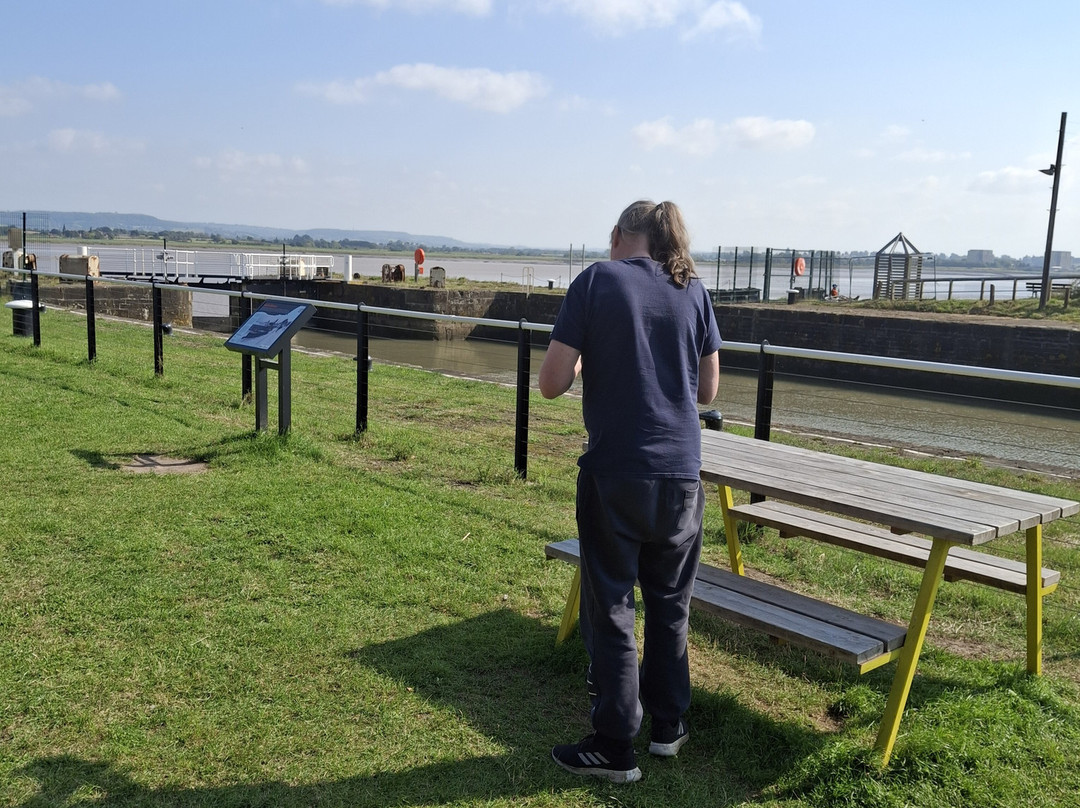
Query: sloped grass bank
{"x": 331, "y": 619}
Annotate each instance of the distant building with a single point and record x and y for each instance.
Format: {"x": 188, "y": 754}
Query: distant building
{"x": 1061, "y": 259}
{"x": 980, "y": 258}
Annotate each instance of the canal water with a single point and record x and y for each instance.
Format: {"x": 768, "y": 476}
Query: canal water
{"x": 1038, "y": 437}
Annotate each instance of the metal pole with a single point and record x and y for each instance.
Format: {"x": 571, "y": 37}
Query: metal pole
{"x": 284, "y": 386}
{"x": 362, "y": 369}
{"x": 767, "y": 281}
{"x": 734, "y": 269}
{"x": 35, "y": 296}
{"x": 1044, "y": 295}
{"x": 763, "y": 407}
{"x": 245, "y": 358}
{"x": 718, "y": 249}
{"x": 521, "y": 429}
{"x": 159, "y": 352}
{"x": 91, "y": 327}
{"x": 763, "y": 413}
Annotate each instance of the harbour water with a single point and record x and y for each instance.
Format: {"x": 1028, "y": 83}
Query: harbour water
{"x": 1038, "y": 437}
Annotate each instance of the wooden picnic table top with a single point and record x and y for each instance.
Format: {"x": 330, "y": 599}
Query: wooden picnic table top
{"x": 941, "y": 507}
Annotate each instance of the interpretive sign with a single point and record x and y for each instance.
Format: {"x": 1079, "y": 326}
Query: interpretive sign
{"x": 270, "y": 328}
{"x": 267, "y": 334}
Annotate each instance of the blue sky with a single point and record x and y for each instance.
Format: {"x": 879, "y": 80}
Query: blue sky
{"x": 783, "y": 123}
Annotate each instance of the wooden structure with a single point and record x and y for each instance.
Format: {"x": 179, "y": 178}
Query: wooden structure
{"x": 898, "y": 270}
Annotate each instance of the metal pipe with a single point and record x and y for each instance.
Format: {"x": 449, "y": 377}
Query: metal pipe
{"x": 521, "y": 428}
{"x": 363, "y": 367}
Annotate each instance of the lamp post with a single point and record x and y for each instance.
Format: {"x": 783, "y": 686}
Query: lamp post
{"x": 1055, "y": 172}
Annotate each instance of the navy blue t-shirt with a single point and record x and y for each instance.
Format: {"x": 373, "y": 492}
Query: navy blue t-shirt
{"x": 641, "y": 339}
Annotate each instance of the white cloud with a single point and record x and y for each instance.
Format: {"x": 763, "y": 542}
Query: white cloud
{"x": 233, "y": 161}
{"x": 759, "y": 132}
{"x": 475, "y": 87}
{"x": 698, "y": 138}
{"x": 18, "y": 98}
{"x": 478, "y": 8}
{"x": 703, "y": 136}
{"x": 894, "y": 133}
{"x": 72, "y": 141}
{"x": 698, "y": 17}
{"x": 1008, "y": 180}
{"x": 920, "y": 155}
{"x": 725, "y": 16}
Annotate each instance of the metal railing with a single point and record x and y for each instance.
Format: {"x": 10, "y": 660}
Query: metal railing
{"x": 767, "y": 354}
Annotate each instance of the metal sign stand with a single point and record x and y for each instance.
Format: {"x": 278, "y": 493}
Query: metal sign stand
{"x": 267, "y": 335}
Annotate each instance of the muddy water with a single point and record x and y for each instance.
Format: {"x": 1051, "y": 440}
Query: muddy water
{"x": 1021, "y": 434}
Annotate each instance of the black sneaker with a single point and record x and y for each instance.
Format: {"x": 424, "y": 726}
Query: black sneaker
{"x": 596, "y": 759}
{"x": 668, "y": 738}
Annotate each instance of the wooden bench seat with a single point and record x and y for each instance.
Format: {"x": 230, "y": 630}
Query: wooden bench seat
{"x": 961, "y": 563}
{"x": 865, "y": 642}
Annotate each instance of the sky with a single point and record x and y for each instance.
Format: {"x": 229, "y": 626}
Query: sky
{"x": 829, "y": 125}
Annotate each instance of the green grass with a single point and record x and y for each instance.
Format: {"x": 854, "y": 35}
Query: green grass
{"x": 1023, "y": 308}
{"x": 332, "y": 619}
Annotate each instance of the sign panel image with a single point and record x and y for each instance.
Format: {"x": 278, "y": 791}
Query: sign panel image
{"x": 270, "y": 328}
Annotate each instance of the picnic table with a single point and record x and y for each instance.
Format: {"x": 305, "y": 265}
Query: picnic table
{"x": 947, "y": 510}
{"x": 869, "y": 507}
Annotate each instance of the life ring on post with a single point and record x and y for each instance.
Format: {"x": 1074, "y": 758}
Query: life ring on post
{"x": 418, "y": 256}
{"x": 800, "y": 265}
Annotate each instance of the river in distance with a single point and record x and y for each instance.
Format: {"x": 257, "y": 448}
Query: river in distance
{"x": 1025, "y": 435}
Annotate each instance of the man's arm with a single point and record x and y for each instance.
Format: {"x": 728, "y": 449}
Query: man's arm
{"x": 561, "y": 366}
{"x": 708, "y": 378}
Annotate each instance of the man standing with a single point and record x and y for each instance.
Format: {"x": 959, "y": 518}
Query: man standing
{"x": 641, "y": 331}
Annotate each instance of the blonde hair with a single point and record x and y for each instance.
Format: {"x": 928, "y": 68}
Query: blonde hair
{"x": 669, "y": 242}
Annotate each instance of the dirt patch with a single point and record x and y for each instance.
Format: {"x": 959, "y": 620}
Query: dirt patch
{"x": 160, "y": 464}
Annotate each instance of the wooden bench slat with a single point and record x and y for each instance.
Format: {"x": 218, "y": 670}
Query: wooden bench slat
{"x": 888, "y": 635}
{"x": 961, "y": 563}
{"x": 831, "y": 630}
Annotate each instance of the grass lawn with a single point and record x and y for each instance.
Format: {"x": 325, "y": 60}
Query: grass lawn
{"x": 330, "y": 619}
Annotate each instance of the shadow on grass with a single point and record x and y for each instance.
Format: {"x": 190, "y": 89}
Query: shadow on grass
{"x": 502, "y": 674}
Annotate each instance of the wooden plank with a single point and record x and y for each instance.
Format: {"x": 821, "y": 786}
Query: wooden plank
{"x": 889, "y": 635}
{"x": 825, "y": 638}
{"x": 835, "y": 632}
{"x": 926, "y": 497}
{"x": 898, "y": 514}
{"x": 961, "y": 563}
{"x": 995, "y": 496}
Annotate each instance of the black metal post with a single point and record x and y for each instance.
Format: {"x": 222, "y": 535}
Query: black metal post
{"x": 91, "y": 327}
{"x": 284, "y": 386}
{"x": 362, "y": 369}
{"x": 768, "y": 275}
{"x": 763, "y": 414}
{"x": 734, "y": 269}
{"x": 159, "y": 348}
{"x": 1044, "y": 295}
{"x": 245, "y": 358}
{"x": 521, "y": 428}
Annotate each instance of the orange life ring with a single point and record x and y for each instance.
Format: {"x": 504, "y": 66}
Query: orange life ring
{"x": 800, "y": 266}
{"x": 418, "y": 256}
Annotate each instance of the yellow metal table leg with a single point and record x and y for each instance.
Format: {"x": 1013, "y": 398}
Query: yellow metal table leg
{"x": 731, "y": 530}
{"x": 1034, "y": 600}
{"x": 909, "y": 655}
{"x": 570, "y": 611}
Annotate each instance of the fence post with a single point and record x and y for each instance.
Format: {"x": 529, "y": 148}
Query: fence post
{"x": 35, "y": 298}
{"x": 91, "y": 327}
{"x": 521, "y": 429}
{"x": 763, "y": 410}
{"x": 245, "y": 358}
{"x": 768, "y": 275}
{"x": 363, "y": 366}
{"x": 159, "y": 352}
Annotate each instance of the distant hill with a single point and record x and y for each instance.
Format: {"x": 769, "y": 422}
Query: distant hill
{"x": 60, "y": 220}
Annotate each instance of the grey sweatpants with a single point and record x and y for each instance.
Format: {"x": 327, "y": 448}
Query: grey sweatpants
{"x": 647, "y": 530}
